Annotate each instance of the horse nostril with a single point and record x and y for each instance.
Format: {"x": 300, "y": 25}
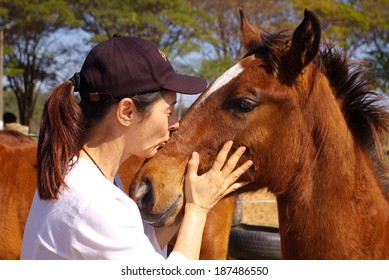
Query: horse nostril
{"x": 143, "y": 195}
{"x": 141, "y": 191}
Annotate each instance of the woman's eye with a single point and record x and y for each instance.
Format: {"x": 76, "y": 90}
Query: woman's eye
{"x": 243, "y": 105}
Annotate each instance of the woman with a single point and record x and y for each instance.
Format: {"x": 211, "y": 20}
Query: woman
{"x": 128, "y": 92}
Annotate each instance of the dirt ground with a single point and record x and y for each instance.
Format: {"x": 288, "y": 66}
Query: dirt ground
{"x": 259, "y": 208}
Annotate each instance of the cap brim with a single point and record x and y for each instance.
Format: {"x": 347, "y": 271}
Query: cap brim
{"x": 186, "y": 84}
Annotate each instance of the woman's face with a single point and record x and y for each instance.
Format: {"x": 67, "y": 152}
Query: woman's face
{"x": 153, "y": 131}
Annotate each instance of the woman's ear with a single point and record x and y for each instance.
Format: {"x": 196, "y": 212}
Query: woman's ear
{"x": 125, "y": 111}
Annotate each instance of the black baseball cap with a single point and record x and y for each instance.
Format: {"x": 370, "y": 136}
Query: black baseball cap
{"x": 124, "y": 66}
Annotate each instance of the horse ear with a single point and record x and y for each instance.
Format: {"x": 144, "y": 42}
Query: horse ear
{"x": 305, "y": 43}
{"x": 251, "y": 36}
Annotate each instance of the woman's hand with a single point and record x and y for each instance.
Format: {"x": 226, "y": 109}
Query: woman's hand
{"x": 203, "y": 192}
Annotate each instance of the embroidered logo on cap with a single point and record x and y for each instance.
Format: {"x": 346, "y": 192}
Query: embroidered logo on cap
{"x": 162, "y": 54}
{"x": 94, "y": 96}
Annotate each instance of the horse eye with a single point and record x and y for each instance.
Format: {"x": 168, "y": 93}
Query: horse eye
{"x": 243, "y": 105}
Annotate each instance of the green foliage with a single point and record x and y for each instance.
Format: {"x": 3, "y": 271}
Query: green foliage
{"x": 37, "y": 16}
{"x": 378, "y": 62}
{"x": 215, "y": 67}
{"x": 173, "y": 25}
{"x": 28, "y": 59}
{"x": 10, "y": 103}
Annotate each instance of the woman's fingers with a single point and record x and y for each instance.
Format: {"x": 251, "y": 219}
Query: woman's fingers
{"x": 220, "y": 180}
{"x": 235, "y": 187}
{"x": 193, "y": 165}
{"x": 238, "y": 172}
{"x": 233, "y": 160}
{"x": 221, "y": 156}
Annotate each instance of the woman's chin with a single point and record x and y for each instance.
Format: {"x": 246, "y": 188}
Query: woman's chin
{"x": 150, "y": 153}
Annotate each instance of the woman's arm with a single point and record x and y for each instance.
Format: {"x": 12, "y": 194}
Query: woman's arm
{"x": 190, "y": 233}
{"x": 165, "y": 234}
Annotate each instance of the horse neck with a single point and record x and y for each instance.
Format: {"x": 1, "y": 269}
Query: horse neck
{"x": 335, "y": 198}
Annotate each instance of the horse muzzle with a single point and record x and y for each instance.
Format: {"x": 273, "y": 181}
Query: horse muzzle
{"x": 156, "y": 214}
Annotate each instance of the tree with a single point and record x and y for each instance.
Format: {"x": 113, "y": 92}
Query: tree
{"x": 29, "y": 54}
{"x": 376, "y": 39}
{"x": 223, "y": 48}
{"x": 173, "y": 25}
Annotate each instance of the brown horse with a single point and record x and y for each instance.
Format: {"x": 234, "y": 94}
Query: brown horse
{"x": 17, "y": 186}
{"x": 312, "y": 128}
{"x": 18, "y": 181}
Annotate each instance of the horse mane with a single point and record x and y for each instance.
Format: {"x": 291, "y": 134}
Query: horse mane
{"x": 362, "y": 108}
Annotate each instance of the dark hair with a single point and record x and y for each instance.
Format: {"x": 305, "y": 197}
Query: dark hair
{"x": 9, "y": 117}
{"x": 63, "y": 130}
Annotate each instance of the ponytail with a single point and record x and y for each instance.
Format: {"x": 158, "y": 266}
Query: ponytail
{"x": 60, "y": 140}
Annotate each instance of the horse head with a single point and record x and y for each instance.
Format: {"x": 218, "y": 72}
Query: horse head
{"x": 257, "y": 103}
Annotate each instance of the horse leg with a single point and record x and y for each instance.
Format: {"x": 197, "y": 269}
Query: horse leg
{"x": 214, "y": 245}
{"x": 217, "y": 229}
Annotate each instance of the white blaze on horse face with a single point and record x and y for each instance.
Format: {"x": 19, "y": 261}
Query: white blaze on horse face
{"x": 224, "y": 79}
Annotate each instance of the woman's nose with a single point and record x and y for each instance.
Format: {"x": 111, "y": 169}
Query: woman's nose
{"x": 173, "y": 127}
{"x": 173, "y": 122}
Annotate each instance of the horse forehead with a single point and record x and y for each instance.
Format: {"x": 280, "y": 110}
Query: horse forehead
{"x": 224, "y": 79}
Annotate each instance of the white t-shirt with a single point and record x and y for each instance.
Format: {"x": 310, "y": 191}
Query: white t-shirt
{"x": 92, "y": 219}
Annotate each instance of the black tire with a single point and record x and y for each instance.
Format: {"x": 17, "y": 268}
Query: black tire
{"x": 254, "y": 243}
